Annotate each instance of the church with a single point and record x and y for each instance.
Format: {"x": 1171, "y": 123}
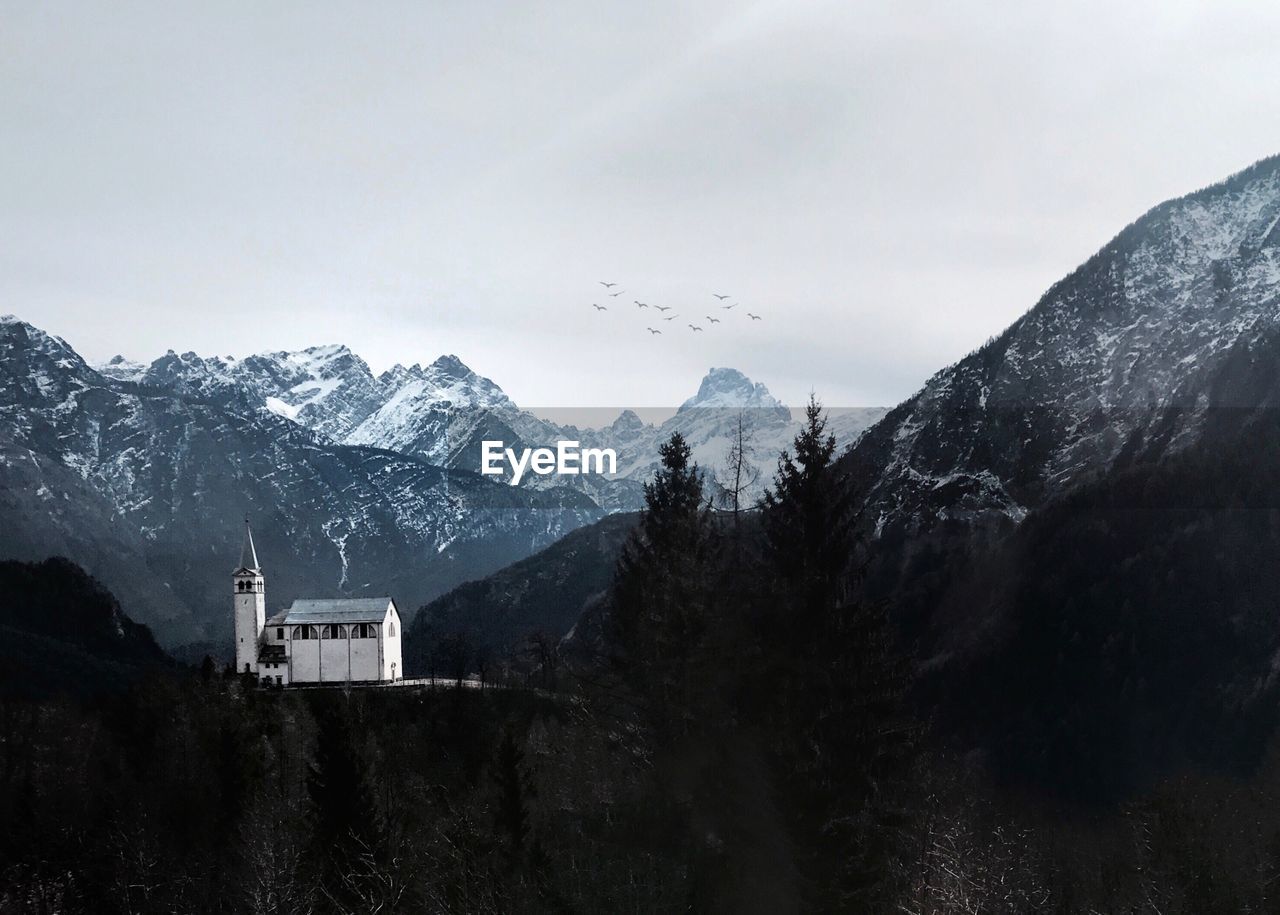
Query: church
{"x": 348, "y": 640}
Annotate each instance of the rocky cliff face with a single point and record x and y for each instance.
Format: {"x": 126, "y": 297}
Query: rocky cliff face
{"x": 1115, "y": 358}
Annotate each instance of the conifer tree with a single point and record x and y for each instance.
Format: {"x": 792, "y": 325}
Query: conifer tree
{"x": 833, "y": 681}
{"x": 664, "y": 594}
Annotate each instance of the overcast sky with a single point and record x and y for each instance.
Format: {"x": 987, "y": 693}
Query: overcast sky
{"x": 886, "y": 183}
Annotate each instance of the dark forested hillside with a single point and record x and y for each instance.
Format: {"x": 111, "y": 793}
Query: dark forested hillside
{"x": 1128, "y": 629}
{"x": 541, "y": 596}
{"x": 61, "y": 631}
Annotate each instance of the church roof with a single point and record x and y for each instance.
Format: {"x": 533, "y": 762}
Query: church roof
{"x": 339, "y": 610}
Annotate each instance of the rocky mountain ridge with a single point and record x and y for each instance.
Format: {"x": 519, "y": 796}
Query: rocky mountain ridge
{"x": 1114, "y": 360}
{"x": 441, "y": 413}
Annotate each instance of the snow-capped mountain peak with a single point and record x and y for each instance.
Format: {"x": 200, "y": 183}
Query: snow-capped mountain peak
{"x": 726, "y": 388}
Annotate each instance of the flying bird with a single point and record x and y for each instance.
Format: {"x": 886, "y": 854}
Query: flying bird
{"x": 753, "y": 317}
{"x": 598, "y": 307}
{"x": 672, "y": 318}
{"x": 607, "y": 285}
{"x": 719, "y": 296}
{"x": 713, "y": 320}
{"x": 652, "y": 331}
{"x": 662, "y": 307}
{"x": 729, "y": 307}
{"x": 694, "y": 327}
{"x": 618, "y": 293}
{"x": 641, "y": 305}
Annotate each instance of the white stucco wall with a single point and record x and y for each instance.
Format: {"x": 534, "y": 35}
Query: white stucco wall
{"x": 304, "y": 657}
{"x": 335, "y": 659}
{"x": 364, "y": 659}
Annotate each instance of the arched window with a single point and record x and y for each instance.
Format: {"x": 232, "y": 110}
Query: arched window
{"x": 391, "y": 629}
{"x": 333, "y": 632}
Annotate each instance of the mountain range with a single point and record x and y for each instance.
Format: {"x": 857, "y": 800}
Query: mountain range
{"x": 441, "y": 413}
{"x": 355, "y": 483}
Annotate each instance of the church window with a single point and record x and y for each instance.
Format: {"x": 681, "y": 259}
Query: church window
{"x": 332, "y": 632}
{"x": 391, "y": 629}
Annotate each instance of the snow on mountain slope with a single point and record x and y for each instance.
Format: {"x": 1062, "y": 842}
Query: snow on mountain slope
{"x": 326, "y": 388}
{"x": 443, "y": 411}
{"x": 429, "y": 411}
{"x": 121, "y": 369}
{"x": 1121, "y": 348}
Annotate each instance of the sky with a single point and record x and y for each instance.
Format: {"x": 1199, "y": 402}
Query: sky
{"x": 886, "y": 184}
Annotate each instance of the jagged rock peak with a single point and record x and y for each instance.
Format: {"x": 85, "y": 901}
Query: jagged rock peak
{"x": 627, "y": 421}
{"x": 727, "y": 387}
{"x": 451, "y": 366}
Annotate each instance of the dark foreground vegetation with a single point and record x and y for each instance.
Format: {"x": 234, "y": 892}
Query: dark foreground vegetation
{"x": 735, "y": 728}
{"x": 204, "y": 796}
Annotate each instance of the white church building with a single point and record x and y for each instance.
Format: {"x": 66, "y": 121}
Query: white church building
{"x": 347, "y": 640}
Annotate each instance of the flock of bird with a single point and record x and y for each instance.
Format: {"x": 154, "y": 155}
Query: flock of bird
{"x": 694, "y": 328}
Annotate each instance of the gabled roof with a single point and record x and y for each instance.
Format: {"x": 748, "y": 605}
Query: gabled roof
{"x": 340, "y": 610}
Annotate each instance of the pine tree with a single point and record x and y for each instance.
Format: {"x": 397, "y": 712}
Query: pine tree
{"x": 832, "y": 681}
{"x": 664, "y": 595}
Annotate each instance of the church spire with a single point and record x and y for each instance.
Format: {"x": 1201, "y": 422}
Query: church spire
{"x": 248, "y": 555}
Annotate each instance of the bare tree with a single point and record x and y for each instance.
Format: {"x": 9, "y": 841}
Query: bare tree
{"x": 739, "y": 474}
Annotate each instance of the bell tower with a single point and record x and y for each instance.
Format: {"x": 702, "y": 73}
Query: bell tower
{"x": 249, "y": 595}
